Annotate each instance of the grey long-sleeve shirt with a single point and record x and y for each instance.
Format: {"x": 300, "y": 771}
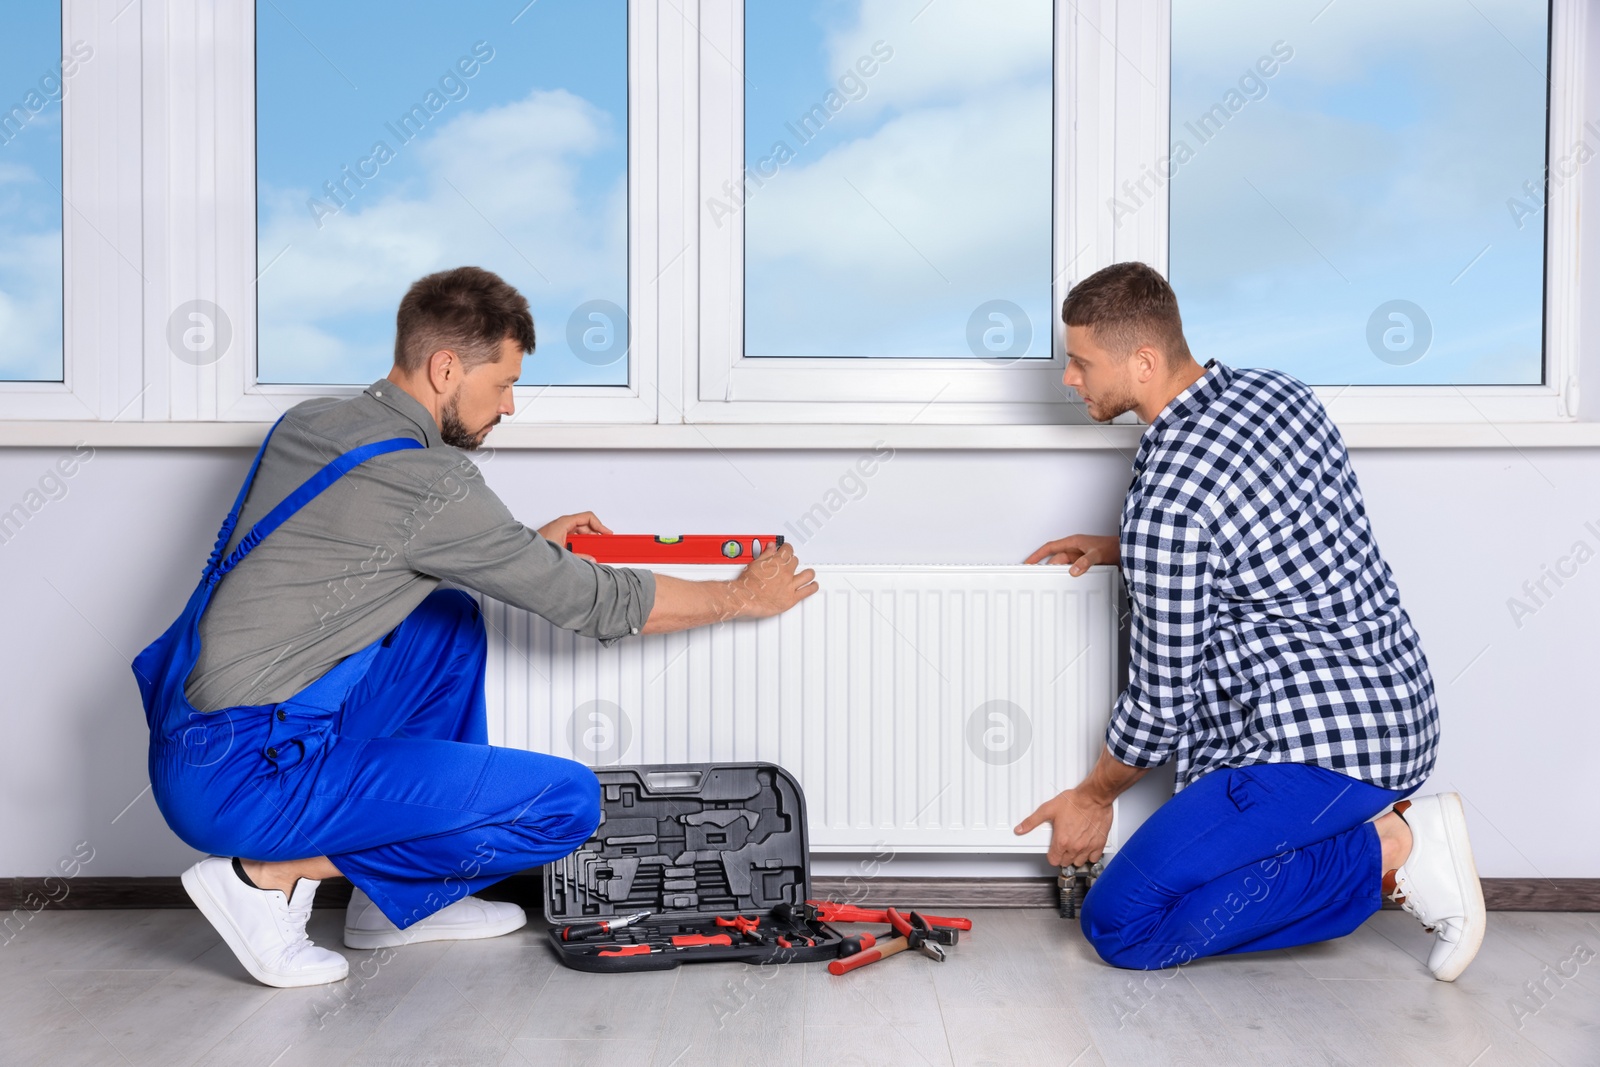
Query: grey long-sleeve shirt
{"x": 354, "y": 562}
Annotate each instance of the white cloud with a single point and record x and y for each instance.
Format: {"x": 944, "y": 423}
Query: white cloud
{"x": 30, "y": 305}
{"x": 501, "y": 188}
{"x": 1387, "y": 146}
{"x": 951, "y": 205}
{"x": 947, "y": 51}
{"x": 17, "y": 174}
{"x": 964, "y": 184}
{"x": 1340, "y": 47}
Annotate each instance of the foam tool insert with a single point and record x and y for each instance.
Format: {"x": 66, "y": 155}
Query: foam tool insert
{"x": 716, "y": 853}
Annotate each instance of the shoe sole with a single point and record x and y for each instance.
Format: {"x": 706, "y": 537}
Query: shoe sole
{"x": 363, "y": 940}
{"x": 1466, "y": 871}
{"x": 217, "y": 916}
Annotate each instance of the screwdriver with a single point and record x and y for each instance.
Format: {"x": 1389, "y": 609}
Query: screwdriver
{"x": 628, "y": 950}
{"x": 604, "y": 926}
{"x": 745, "y": 926}
{"x": 692, "y": 940}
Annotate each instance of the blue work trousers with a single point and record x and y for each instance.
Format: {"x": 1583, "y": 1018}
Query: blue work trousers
{"x": 1244, "y": 859}
{"x": 382, "y": 765}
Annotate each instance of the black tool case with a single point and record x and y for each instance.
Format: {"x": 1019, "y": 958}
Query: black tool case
{"x": 690, "y": 843}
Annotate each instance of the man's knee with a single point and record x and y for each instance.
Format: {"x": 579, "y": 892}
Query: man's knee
{"x": 1114, "y": 937}
{"x": 572, "y": 804}
{"x": 1099, "y": 929}
{"x": 586, "y": 814}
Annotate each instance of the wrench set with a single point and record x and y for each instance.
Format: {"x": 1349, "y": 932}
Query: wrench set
{"x": 698, "y": 862}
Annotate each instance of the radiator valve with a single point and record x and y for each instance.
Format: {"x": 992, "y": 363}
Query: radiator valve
{"x": 1073, "y": 884}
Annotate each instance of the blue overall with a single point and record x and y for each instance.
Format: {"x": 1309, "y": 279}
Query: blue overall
{"x": 1243, "y": 860}
{"x": 382, "y": 764}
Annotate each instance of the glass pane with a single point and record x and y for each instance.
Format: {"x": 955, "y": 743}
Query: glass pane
{"x": 1357, "y": 187}
{"x": 899, "y": 173}
{"x": 388, "y": 148}
{"x": 37, "y": 74}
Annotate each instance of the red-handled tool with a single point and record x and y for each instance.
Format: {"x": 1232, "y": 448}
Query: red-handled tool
{"x": 919, "y": 935}
{"x": 692, "y": 940}
{"x": 914, "y": 933}
{"x": 579, "y": 931}
{"x": 627, "y": 950}
{"x": 872, "y": 955}
{"x": 829, "y": 911}
{"x": 852, "y": 945}
{"x": 745, "y": 926}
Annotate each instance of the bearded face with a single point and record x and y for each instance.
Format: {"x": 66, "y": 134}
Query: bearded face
{"x": 455, "y": 433}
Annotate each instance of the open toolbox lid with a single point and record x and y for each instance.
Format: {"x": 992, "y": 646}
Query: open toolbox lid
{"x": 687, "y": 841}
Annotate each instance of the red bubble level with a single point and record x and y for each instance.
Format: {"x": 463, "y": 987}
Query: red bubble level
{"x": 688, "y": 548}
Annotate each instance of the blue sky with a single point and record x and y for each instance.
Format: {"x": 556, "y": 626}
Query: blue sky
{"x": 927, "y": 192}
{"x": 30, "y": 198}
{"x": 1375, "y": 168}
{"x": 519, "y": 168}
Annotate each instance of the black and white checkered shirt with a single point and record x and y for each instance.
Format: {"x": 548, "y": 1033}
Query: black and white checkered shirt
{"x": 1266, "y": 627}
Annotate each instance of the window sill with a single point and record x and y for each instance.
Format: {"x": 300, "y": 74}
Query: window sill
{"x": 790, "y": 437}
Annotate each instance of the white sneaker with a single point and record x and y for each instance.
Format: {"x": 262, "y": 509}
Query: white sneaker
{"x": 265, "y": 929}
{"x": 469, "y": 918}
{"x": 1438, "y": 882}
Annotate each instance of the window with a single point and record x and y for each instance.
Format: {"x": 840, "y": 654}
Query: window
{"x": 1357, "y": 197}
{"x": 776, "y": 223}
{"x": 898, "y": 198}
{"x": 37, "y": 74}
{"x": 876, "y": 181}
{"x": 389, "y": 148}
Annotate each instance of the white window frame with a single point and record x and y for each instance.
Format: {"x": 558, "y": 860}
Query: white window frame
{"x": 733, "y": 387}
{"x": 1113, "y": 103}
{"x": 200, "y": 126}
{"x": 102, "y": 274}
{"x": 160, "y": 184}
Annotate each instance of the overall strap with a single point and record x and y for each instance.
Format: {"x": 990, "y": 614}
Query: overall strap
{"x": 304, "y": 495}
{"x": 232, "y": 520}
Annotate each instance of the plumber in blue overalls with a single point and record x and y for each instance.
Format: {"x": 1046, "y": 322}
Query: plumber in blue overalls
{"x": 309, "y": 735}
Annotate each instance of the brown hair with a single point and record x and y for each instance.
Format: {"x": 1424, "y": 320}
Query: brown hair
{"x": 1128, "y": 305}
{"x": 468, "y": 310}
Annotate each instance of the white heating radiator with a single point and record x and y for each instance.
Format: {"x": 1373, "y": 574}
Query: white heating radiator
{"x": 923, "y": 708}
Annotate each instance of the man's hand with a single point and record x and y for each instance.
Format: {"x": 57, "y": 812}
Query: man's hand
{"x": 558, "y": 530}
{"x": 1080, "y": 818}
{"x": 1081, "y": 550}
{"x": 770, "y": 585}
{"x": 1079, "y": 825}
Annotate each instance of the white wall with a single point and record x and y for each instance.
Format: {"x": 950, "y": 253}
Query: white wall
{"x": 98, "y": 573}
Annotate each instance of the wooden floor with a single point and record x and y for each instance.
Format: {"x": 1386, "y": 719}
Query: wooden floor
{"x": 160, "y": 988}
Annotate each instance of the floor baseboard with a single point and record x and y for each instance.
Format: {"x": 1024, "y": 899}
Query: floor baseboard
{"x": 35, "y": 894}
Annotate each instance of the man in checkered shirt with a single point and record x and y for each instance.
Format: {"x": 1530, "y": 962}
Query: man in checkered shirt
{"x": 1271, "y": 661}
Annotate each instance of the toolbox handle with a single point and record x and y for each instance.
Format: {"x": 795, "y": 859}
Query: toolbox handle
{"x": 664, "y": 781}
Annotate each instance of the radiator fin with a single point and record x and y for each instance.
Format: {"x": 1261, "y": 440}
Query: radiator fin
{"x": 923, "y": 708}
